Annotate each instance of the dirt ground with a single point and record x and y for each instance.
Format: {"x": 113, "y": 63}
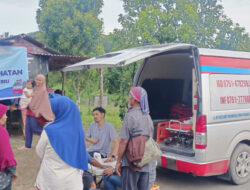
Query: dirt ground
{"x": 28, "y": 163}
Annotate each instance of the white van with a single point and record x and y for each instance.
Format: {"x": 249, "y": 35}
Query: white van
{"x": 210, "y": 88}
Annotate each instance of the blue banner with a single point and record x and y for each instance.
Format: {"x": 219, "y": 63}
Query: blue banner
{"x": 13, "y": 71}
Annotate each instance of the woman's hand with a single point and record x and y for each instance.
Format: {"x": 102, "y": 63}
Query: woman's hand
{"x": 13, "y": 178}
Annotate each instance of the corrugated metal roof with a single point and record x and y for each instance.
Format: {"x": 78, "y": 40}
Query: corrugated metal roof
{"x": 57, "y": 61}
{"x": 32, "y": 41}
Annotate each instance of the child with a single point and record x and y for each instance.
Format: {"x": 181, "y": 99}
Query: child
{"x": 7, "y": 160}
{"x": 25, "y": 100}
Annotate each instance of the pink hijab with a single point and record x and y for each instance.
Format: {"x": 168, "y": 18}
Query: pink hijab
{"x": 6, "y": 154}
{"x": 40, "y": 104}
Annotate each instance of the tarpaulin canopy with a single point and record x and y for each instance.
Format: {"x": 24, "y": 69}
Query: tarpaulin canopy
{"x": 13, "y": 71}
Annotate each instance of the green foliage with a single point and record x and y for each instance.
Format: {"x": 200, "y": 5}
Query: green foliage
{"x": 111, "y": 116}
{"x": 71, "y": 26}
{"x": 202, "y": 23}
{"x": 232, "y": 37}
{"x": 87, "y": 80}
{"x": 37, "y": 35}
{"x": 118, "y": 81}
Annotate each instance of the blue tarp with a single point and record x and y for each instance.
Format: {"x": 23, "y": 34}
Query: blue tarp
{"x": 13, "y": 71}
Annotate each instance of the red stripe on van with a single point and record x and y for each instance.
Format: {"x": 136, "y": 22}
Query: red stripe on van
{"x": 163, "y": 162}
{"x": 214, "y": 168}
{"x": 225, "y": 62}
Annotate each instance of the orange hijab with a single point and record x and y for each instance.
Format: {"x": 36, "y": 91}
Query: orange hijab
{"x": 40, "y": 104}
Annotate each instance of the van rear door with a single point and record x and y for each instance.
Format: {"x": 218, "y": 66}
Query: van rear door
{"x": 125, "y": 57}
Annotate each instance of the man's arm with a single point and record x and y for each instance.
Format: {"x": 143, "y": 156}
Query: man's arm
{"x": 122, "y": 148}
{"x": 124, "y": 134}
{"x": 116, "y": 147}
{"x": 95, "y": 163}
{"x": 109, "y": 171}
{"x": 93, "y": 141}
{"x": 88, "y": 135}
{"x": 115, "y": 151}
{"x": 13, "y": 105}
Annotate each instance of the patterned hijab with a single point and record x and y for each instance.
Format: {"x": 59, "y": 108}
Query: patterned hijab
{"x": 40, "y": 104}
{"x": 6, "y": 154}
{"x": 141, "y": 96}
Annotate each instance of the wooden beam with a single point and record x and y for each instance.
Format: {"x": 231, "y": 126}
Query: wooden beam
{"x": 63, "y": 82}
{"x": 47, "y": 80}
{"x": 101, "y": 88}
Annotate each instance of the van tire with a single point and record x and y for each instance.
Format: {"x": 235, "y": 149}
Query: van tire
{"x": 239, "y": 168}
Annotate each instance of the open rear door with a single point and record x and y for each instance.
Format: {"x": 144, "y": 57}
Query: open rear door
{"x": 125, "y": 57}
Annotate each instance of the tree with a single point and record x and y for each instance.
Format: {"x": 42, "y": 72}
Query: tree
{"x": 201, "y": 23}
{"x": 118, "y": 82}
{"x": 72, "y": 27}
{"x": 82, "y": 81}
{"x": 232, "y": 36}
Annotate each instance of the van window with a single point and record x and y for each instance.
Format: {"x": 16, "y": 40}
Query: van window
{"x": 163, "y": 94}
{"x": 167, "y": 78}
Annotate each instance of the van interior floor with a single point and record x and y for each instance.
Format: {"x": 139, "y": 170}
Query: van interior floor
{"x": 177, "y": 148}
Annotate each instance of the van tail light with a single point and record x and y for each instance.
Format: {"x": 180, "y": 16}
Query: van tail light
{"x": 201, "y": 132}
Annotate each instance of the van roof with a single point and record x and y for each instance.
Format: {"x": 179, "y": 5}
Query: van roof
{"x": 126, "y": 56}
{"x": 224, "y": 53}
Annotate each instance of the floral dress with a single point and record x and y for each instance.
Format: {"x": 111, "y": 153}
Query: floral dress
{"x": 5, "y": 176}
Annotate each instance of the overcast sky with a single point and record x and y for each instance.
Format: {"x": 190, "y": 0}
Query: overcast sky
{"x": 18, "y": 16}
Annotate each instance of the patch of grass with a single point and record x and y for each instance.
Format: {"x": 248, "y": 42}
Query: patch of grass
{"x": 112, "y": 116}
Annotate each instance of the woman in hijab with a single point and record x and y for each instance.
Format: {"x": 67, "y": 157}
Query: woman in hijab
{"x": 7, "y": 160}
{"x": 39, "y": 111}
{"x": 62, "y": 149}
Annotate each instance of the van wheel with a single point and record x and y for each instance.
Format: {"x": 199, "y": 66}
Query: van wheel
{"x": 239, "y": 169}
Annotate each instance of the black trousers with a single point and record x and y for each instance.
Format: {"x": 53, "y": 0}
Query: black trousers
{"x": 87, "y": 179}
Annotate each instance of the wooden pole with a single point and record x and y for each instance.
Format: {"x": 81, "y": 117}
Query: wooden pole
{"x": 47, "y": 80}
{"x": 101, "y": 87}
{"x": 63, "y": 82}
